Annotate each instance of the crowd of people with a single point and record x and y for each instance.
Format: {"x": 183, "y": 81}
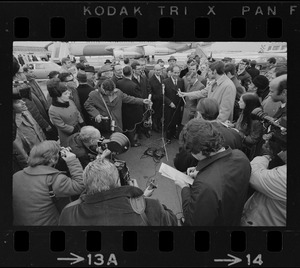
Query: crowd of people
{"x": 230, "y": 120}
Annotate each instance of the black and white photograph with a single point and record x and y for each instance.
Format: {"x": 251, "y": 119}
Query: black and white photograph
{"x": 113, "y": 133}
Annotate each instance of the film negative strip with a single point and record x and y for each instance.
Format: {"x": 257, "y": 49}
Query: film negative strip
{"x": 181, "y": 28}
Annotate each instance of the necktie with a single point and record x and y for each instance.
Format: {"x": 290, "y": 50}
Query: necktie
{"x": 175, "y": 82}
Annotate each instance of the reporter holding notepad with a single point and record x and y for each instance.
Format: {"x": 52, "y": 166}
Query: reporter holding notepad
{"x": 221, "y": 178}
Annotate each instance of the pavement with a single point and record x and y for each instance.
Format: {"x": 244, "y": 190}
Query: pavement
{"x": 143, "y": 169}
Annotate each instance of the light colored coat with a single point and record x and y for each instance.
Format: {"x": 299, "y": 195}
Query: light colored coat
{"x": 65, "y": 119}
{"x": 224, "y": 91}
{"x": 267, "y": 206}
{"x": 32, "y": 204}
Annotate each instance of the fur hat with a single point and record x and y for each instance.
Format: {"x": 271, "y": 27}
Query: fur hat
{"x": 261, "y": 82}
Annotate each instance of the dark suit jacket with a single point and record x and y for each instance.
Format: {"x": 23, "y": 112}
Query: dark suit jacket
{"x": 171, "y": 91}
{"x": 83, "y": 91}
{"x": 143, "y": 86}
{"x": 253, "y": 72}
{"x": 131, "y": 113}
{"x": 219, "y": 191}
{"x": 115, "y": 79}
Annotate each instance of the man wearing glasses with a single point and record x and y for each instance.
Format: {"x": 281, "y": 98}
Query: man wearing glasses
{"x": 242, "y": 74}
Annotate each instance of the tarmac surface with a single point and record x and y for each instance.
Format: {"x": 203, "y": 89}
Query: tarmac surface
{"x": 144, "y": 168}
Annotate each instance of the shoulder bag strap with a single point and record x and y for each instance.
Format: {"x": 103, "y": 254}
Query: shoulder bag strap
{"x": 106, "y": 106}
{"x": 50, "y": 179}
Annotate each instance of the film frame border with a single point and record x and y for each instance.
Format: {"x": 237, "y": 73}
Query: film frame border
{"x": 39, "y": 31}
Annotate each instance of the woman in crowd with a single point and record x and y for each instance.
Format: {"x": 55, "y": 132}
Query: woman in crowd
{"x": 250, "y": 130}
{"x": 63, "y": 112}
{"x": 32, "y": 203}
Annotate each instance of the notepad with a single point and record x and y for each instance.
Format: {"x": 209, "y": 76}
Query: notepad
{"x": 173, "y": 174}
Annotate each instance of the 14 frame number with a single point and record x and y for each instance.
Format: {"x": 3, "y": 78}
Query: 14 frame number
{"x": 257, "y": 260}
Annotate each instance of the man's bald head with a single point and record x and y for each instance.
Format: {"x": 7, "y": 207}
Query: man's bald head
{"x": 157, "y": 67}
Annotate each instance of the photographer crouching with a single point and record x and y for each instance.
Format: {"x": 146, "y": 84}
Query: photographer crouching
{"x": 107, "y": 203}
{"x": 267, "y": 206}
{"x": 85, "y": 144}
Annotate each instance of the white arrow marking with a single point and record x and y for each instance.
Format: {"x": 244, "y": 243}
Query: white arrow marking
{"x": 233, "y": 261}
{"x": 75, "y": 260}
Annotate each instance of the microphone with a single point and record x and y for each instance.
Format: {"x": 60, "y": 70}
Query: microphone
{"x": 258, "y": 113}
{"x": 150, "y": 96}
{"x": 163, "y": 88}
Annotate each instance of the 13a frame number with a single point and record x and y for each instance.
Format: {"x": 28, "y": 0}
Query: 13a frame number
{"x": 98, "y": 259}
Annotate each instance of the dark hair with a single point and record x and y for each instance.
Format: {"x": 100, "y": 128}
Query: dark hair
{"x": 199, "y": 135}
{"x": 63, "y": 76}
{"x": 52, "y": 74}
{"x": 126, "y": 60}
{"x": 253, "y": 63}
{"x": 134, "y": 64}
{"x": 190, "y": 60}
{"x": 108, "y": 85}
{"x": 208, "y": 108}
{"x": 219, "y": 66}
{"x": 246, "y": 61}
{"x": 80, "y": 66}
{"x": 64, "y": 60}
{"x": 56, "y": 91}
{"x": 251, "y": 101}
{"x": 53, "y": 83}
{"x": 272, "y": 60}
{"x": 127, "y": 71}
{"x": 230, "y": 68}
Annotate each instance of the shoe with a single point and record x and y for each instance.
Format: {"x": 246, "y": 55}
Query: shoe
{"x": 137, "y": 144}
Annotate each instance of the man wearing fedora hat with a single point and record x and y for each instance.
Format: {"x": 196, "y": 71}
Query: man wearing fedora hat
{"x": 172, "y": 61}
{"x": 107, "y": 62}
{"x": 105, "y": 72}
{"x": 90, "y": 75}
